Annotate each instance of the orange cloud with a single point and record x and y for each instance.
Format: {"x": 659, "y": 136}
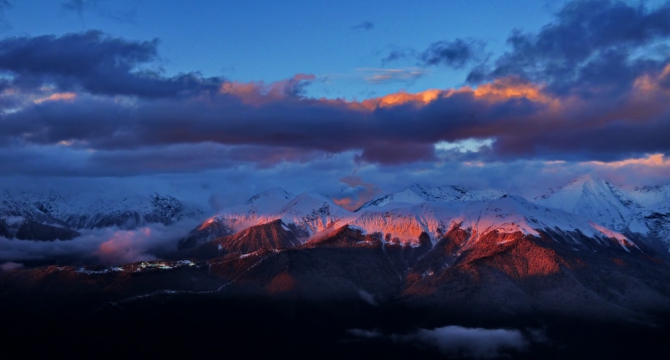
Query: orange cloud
{"x": 651, "y": 83}
{"x": 653, "y": 160}
{"x": 124, "y": 247}
{"x": 67, "y": 96}
{"x": 259, "y": 93}
{"x": 508, "y": 88}
{"x": 499, "y": 90}
{"x": 399, "y": 98}
{"x": 364, "y": 193}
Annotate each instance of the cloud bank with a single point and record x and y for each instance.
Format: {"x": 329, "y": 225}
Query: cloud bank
{"x": 588, "y": 90}
{"x": 109, "y": 246}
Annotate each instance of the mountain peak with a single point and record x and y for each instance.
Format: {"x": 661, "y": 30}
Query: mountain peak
{"x": 275, "y": 194}
{"x": 588, "y": 179}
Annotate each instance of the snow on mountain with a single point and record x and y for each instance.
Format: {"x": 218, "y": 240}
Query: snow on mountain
{"x": 654, "y": 208}
{"x": 652, "y": 198}
{"x": 88, "y": 210}
{"x": 313, "y": 213}
{"x": 507, "y": 214}
{"x": 417, "y": 194}
{"x": 310, "y": 213}
{"x": 404, "y": 222}
{"x": 600, "y": 201}
{"x": 587, "y": 206}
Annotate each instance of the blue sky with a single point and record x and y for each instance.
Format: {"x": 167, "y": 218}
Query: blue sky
{"x": 335, "y": 97}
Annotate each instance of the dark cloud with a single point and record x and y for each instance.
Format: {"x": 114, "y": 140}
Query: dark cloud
{"x": 283, "y": 126}
{"x": 369, "y": 334}
{"x": 591, "y": 44}
{"x": 399, "y": 54}
{"x": 95, "y": 63}
{"x": 455, "y": 54}
{"x": 365, "y": 25}
{"x": 619, "y": 139}
{"x": 181, "y": 158}
{"x": 397, "y": 153}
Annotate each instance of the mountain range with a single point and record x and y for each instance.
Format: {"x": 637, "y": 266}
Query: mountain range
{"x": 588, "y": 206}
{"x": 588, "y": 248}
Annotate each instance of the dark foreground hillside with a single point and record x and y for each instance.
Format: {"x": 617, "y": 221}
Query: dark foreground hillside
{"x": 350, "y": 295}
{"x": 196, "y": 326}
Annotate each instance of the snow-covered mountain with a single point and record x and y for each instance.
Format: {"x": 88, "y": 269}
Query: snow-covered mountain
{"x": 653, "y": 207}
{"x": 588, "y": 207}
{"x": 507, "y": 214}
{"x": 641, "y": 210}
{"x": 28, "y": 215}
{"x": 310, "y": 214}
{"x": 598, "y": 200}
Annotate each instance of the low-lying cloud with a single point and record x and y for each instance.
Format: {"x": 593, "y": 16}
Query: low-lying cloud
{"x": 461, "y": 341}
{"x": 9, "y": 266}
{"x": 468, "y": 342}
{"x": 108, "y": 246}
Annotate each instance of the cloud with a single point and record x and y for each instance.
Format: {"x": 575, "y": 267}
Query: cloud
{"x": 455, "y": 54}
{"x": 468, "y": 342}
{"x": 369, "y": 334}
{"x": 94, "y": 63}
{"x": 398, "y": 54}
{"x": 367, "y": 297}
{"x": 274, "y": 123}
{"x": 107, "y": 246}
{"x": 9, "y": 266}
{"x": 379, "y": 76}
{"x": 591, "y": 45}
{"x": 125, "y": 247}
{"x": 357, "y": 193}
{"x": 463, "y": 342}
{"x": 365, "y": 25}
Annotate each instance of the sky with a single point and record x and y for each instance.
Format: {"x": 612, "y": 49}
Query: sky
{"x": 346, "y": 99}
